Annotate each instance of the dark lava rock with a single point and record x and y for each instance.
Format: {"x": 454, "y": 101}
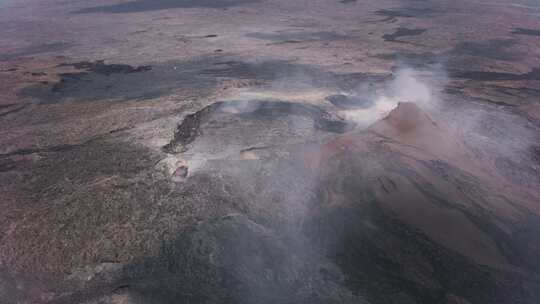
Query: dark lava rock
{"x": 152, "y": 5}
{"x": 349, "y": 102}
{"x": 493, "y": 49}
{"x": 187, "y": 131}
{"x": 100, "y": 67}
{"x": 535, "y": 151}
{"x": 524, "y": 31}
{"x": 94, "y": 81}
{"x": 297, "y": 36}
{"x": 412, "y": 59}
{"x": 120, "y": 82}
{"x": 534, "y": 74}
{"x": 13, "y": 110}
{"x": 402, "y": 32}
{"x": 407, "y": 12}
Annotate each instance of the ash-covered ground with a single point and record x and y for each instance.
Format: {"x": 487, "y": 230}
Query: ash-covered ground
{"x": 269, "y": 151}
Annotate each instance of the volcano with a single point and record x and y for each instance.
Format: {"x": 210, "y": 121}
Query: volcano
{"x": 400, "y": 211}
{"x": 416, "y": 208}
{"x": 269, "y": 152}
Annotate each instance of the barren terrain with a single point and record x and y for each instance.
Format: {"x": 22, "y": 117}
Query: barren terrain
{"x": 269, "y": 151}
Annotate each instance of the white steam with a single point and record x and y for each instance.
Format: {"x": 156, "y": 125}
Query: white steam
{"x": 406, "y": 86}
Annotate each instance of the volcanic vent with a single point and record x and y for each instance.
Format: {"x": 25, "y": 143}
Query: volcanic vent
{"x": 226, "y": 124}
